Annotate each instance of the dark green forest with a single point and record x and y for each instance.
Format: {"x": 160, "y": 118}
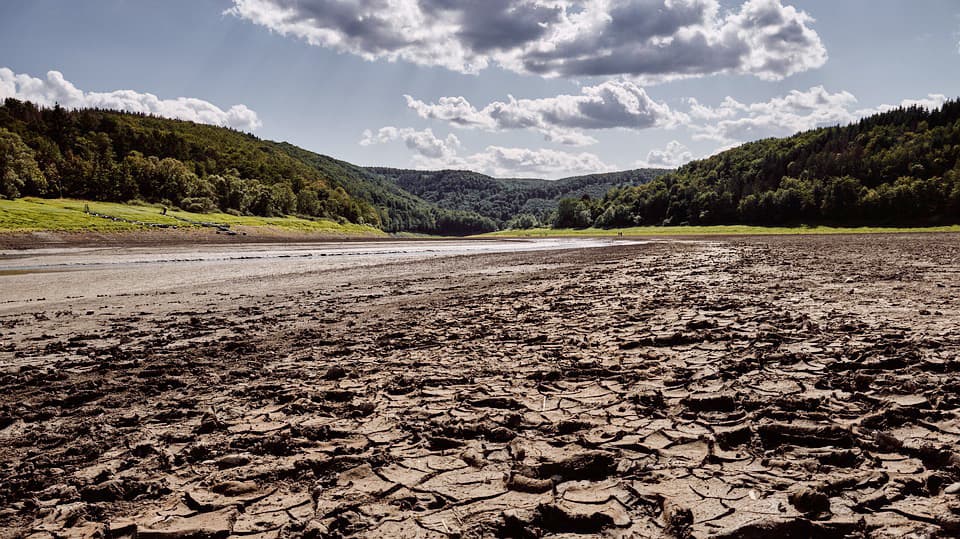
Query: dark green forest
{"x": 511, "y": 203}
{"x": 119, "y": 157}
{"x": 899, "y": 167}
{"x": 895, "y": 168}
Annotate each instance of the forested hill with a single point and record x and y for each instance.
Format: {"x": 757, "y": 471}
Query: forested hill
{"x": 900, "y": 167}
{"x": 114, "y": 156}
{"x": 509, "y": 202}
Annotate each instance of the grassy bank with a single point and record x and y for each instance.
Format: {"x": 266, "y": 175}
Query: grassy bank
{"x": 719, "y": 230}
{"x": 68, "y": 215}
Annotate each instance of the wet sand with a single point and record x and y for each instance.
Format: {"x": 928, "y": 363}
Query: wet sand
{"x": 792, "y": 387}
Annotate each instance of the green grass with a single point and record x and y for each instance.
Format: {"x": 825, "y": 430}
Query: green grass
{"x": 719, "y": 230}
{"x": 67, "y": 215}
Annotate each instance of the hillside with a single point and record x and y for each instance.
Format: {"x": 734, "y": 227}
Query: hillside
{"x": 898, "y": 168}
{"x": 111, "y": 156}
{"x": 504, "y": 200}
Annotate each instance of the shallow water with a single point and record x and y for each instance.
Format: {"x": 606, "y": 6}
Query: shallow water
{"x": 44, "y": 275}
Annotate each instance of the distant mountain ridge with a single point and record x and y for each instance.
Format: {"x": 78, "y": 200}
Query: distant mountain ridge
{"x": 503, "y": 199}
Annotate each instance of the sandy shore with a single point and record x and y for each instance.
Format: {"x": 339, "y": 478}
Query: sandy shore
{"x": 791, "y": 387}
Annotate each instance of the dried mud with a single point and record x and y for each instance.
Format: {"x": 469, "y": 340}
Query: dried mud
{"x": 777, "y": 387}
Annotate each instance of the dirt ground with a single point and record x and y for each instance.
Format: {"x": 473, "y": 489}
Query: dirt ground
{"x": 759, "y": 387}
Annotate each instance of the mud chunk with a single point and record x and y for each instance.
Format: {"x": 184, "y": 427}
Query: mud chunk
{"x": 585, "y": 465}
{"x": 810, "y": 501}
{"x": 522, "y": 483}
{"x": 315, "y": 530}
{"x": 505, "y": 403}
{"x": 120, "y": 489}
{"x": 500, "y": 435}
{"x": 952, "y": 489}
{"x": 569, "y": 517}
{"x": 214, "y": 525}
{"x": 473, "y": 458}
{"x": 776, "y": 434}
{"x": 679, "y": 520}
{"x": 335, "y": 372}
{"x": 232, "y": 461}
{"x": 442, "y": 443}
{"x": 402, "y": 385}
{"x": 571, "y": 426}
{"x": 649, "y": 398}
{"x": 887, "y": 442}
{"x": 59, "y": 492}
{"x": 234, "y": 488}
{"x": 701, "y": 323}
{"x": 519, "y": 523}
{"x": 337, "y": 395}
{"x": 210, "y": 422}
{"x": 711, "y": 402}
{"x": 732, "y": 437}
{"x": 65, "y": 516}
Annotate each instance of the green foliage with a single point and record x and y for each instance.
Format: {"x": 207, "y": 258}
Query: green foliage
{"x": 30, "y": 214}
{"x": 572, "y": 213}
{"x": 397, "y": 209}
{"x": 712, "y": 230}
{"x": 524, "y": 221}
{"x": 111, "y": 156}
{"x": 899, "y": 168}
{"x": 19, "y": 173}
{"x": 504, "y": 199}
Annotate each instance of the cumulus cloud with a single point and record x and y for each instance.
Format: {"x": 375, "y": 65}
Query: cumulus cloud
{"x": 612, "y": 104}
{"x": 520, "y": 162}
{"x": 56, "y": 89}
{"x": 932, "y": 101}
{"x": 733, "y": 121}
{"x": 780, "y": 116}
{"x": 432, "y": 152}
{"x": 425, "y": 143}
{"x": 651, "y": 40}
{"x": 674, "y": 155}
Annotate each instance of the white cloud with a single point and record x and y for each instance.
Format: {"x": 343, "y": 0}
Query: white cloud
{"x": 733, "y": 121}
{"x": 674, "y": 155}
{"x": 652, "y": 40}
{"x": 932, "y": 101}
{"x": 612, "y": 104}
{"x": 425, "y": 143}
{"x": 524, "y": 162}
{"x": 56, "y": 89}
{"x": 433, "y": 152}
{"x": 778, "y": 117}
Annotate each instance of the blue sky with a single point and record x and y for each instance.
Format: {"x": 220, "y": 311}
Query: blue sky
{"x": 332, "y": 76}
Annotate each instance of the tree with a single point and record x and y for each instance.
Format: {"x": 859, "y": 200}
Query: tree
{"x": 572, "y": 213}
{"x": 19, "y": 173}
{"x": 523, "y": 221}
{"x": 284, "y": 200}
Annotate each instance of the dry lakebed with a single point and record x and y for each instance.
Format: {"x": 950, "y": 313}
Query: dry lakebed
{"x": 734, "y": 387}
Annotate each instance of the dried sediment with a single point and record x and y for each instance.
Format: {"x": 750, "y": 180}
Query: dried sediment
{"x": 783, "y": 386}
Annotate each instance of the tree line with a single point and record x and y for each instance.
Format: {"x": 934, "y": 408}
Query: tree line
{"x": 900, "y": 167}
{"x": 510, "y": 203}
{"x": 112, "y": 156}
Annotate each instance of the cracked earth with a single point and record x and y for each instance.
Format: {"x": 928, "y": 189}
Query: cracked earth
{"x": 789, "y": 387}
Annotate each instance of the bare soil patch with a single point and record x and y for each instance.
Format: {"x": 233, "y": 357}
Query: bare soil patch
{"x": 758, "y": 387}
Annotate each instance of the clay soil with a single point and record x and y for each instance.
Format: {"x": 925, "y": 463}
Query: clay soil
{"x": 774, "y": 387}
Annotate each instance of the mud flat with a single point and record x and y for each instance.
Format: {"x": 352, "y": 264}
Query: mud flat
{"x": 766, "y": 387}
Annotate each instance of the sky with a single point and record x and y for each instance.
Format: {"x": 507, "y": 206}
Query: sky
{"x": 511, "y": 88}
